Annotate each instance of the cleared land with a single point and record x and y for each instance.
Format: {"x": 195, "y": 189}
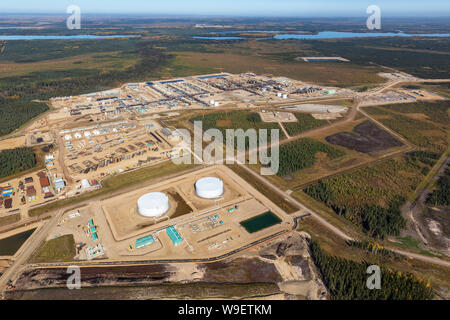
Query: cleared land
{"x": 367, "y": 138}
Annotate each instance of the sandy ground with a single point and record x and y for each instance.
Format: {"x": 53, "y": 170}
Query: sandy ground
{"x": 13, "y": 143}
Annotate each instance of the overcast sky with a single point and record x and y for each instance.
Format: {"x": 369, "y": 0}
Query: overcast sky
{"x": 295, "y": 8}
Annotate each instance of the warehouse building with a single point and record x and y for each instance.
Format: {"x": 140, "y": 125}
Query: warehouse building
{"x": 174, "y": 235}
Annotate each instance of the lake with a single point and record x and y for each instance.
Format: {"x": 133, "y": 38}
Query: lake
{"x": 219, "y": 38}
{"x": 345, "y": 35}
{"x": 325, "y": 35}
{"x": 74, "y": 37}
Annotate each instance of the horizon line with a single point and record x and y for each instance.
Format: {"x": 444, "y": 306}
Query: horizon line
{"x": 187, "y": 15}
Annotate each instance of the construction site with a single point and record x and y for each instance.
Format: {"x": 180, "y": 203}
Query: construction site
{"x": 199, "y": 215}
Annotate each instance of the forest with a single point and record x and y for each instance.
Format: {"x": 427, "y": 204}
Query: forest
{"x": 441, "y": 196}
{"x": 346, "y": 280}
{"x": 301, "y": 154}
{"x": 419, "y": 58}
{"x": 304, "y": 123}
{"x": 371, "y": 197}
{"x": 15, "y": 114}
{"x": 435, "y": 111}
{"x": 16, "y": 160}
{"x": 17, "y": 93}
{"x": 237, "y": 119}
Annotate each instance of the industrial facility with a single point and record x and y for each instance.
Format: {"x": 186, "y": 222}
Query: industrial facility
{"x": 201, "y": 214}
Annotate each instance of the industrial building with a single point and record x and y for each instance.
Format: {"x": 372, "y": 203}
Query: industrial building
{"x": 145, "y": 241}
{"x": 174, "y": 235}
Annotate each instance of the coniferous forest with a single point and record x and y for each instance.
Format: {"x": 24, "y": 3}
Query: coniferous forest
{"x": 16, "y": 160}
{"x": 347, "y": 280}
{"x": 441, "y": 196}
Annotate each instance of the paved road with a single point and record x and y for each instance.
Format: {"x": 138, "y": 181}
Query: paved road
{"x": 317, "y": 216}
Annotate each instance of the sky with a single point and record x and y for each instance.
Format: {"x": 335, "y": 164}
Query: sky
{"x": 293, "y": 8}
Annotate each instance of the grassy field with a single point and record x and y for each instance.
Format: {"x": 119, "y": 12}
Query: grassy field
{"x": 59, "y": 249}
{"x": 424, "y": 124}
{"x": 105, "y": 62}
{"x": 115, "y": 183}
{"x": 188, "y": 63}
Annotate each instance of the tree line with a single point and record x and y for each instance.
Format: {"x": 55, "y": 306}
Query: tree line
{"x": 16, "y": 160}
{"x": 441, "y": 196}
{"x": 301, "y": 154}
{"x": 347, "y": 280}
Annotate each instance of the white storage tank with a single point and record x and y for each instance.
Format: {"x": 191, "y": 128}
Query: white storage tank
{"x": 209, "y": 188}
{"x": 153, "y": 204}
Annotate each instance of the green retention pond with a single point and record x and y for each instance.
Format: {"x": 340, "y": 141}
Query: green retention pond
{"x": 10, "y": 245}
{"x": 260, "y": 222}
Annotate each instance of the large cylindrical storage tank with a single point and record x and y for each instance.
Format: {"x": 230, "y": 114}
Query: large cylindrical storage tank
{"x": 209, "y": 188}
{"x": 153, "y": 204}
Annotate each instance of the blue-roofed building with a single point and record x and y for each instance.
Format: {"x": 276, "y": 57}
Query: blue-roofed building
{"x": 7, "y": 192}
{"x": 213, "y": 76}
{"x": 174, "y": 236}
{"x": 142, "y": 242}
{"x": 171, "y": 81}
{"x": 94, "y": 236}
